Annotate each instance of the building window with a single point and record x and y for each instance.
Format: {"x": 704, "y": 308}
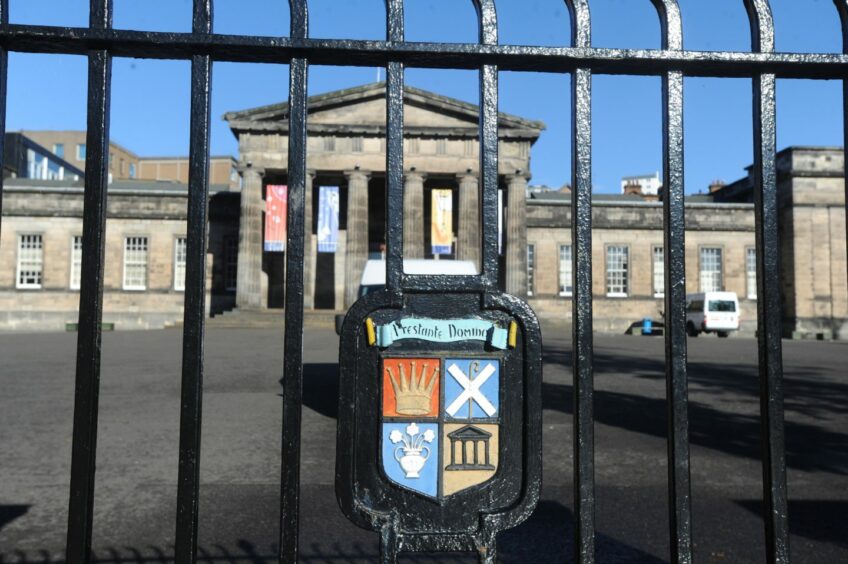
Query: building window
{"x": 565, "y": 278}
{"x": 618, "y": 259}
{"x": 132, "y": 170}
{"x": 135, "y": 263}
{"x": 329, "y": 144}
{"x": 76, "y": 262}
{"x": 751, "y": 272}
{"x": 356, "y": 144}
{"x": 30, "y": 261}
{"x": 531, "y": 268}
{"x": 441, "y": 146}
{"x": 179, "y": 263}
{"x": 231, "y": 263}
{"x": 59, "y": 150}
{"x": 659, "y": 272}
{"x": 711, "y": 274}
{"x": 81, "y": 152}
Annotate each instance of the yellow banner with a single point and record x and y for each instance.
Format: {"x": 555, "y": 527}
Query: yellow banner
{"x": 441, "y": 222}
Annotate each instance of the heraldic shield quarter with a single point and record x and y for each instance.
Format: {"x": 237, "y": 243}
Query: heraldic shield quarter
{"x": 440, "y": 422}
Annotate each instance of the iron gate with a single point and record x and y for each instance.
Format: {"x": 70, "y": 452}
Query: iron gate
{"x": 100, "y": 43}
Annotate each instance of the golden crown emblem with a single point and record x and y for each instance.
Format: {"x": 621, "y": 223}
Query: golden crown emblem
{"x": 413, "y": 393}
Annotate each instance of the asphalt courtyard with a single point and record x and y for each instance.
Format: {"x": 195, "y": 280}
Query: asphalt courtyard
{"x": 240, "y": 466}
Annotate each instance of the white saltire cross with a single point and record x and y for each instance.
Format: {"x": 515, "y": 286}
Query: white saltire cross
{"x": 471, "y": 389}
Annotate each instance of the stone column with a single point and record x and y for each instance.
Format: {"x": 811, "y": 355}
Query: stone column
{"x": 356, "y": 251}
{"x": 516, "y": 235}
{"x": 309, "y": 258}
{"x": 413, "y": 215}
{"x": 249, "y": 289}
{"x": 468, "y": 245}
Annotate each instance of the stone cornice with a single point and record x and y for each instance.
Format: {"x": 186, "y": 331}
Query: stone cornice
{"x": 413, "y": 96}
{"x": 348, "y": 130}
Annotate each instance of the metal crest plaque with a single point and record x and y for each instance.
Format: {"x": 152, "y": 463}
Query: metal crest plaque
{"x": 439, "y": 438}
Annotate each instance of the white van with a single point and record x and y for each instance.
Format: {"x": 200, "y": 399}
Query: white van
{"x": 712, "y": 312}
{"x": 374, "y": 274}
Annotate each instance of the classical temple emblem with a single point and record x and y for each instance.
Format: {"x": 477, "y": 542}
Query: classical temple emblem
{"x": 424, "y": 449}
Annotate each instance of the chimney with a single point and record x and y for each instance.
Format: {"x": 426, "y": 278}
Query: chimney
{"x": 633, "y": 188}
{"x": 716, "y": 185}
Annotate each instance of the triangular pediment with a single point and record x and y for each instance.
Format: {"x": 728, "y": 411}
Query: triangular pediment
{"x": 363, "y": 109}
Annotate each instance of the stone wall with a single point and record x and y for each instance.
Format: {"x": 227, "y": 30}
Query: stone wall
{"x": 637, "y": 226}
{"x": 56, "y": 215}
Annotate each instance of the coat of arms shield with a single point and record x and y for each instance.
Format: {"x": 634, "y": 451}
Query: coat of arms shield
{"x": 440, "y": 422}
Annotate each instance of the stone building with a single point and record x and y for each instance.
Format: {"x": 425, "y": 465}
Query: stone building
{"x": 145, "y": 264}
{"x": 346, "y": 148}
{"x": 41, "y": 253}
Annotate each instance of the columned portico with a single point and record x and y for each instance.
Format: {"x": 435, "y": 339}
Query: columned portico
{"x": 468, "y": 243}
{"x": 413, "y": 215}
{"x": 346, "y": 148}
{"x": 516, "y": 234}
{"x": 356, "y": 252}
{"x": 249, "y": 289}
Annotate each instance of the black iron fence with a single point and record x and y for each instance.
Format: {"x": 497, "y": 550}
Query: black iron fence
{"x": 101, "y": 43}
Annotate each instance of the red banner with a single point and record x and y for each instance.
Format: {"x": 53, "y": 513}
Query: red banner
{"x": 276, "y": 206}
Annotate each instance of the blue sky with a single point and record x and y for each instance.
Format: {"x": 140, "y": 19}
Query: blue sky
{"x": 151, "y": 98}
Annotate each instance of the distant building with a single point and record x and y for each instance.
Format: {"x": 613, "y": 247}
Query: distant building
{"x": 124, "y": 164}
{"x": 222, "y": 170}
{"x": 71, "y": 146}
{"x": 24, "y": 158}
{"x": 649, "y": 184}
{"x": 40, "y": 241}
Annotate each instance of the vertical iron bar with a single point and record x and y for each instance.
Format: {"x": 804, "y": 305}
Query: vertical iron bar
{"x": 293, "y": 345}
{"x": 83, "y": 455}
{"x": 768, "y": 292}
{"x": 394, "y": 151}
{"x": 842, "y": 8}
{"x": 488, "y": 131}
{"x": 188, "y": 483}
{"x": 674, "y": 256}
{"x": 582, "y": 342}
{"x": 4, "y": 76}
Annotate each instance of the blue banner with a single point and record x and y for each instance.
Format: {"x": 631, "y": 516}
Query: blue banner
{"x": 328, "y": 219}
{"x": 442, "y": 331}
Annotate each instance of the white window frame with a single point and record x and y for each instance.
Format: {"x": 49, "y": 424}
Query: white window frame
{"x": 566, "y": 271}
{"x": 658, "y": 270}
{"x": 624, "y": 270}
{"x": 133, "y": 262}
{"x": 180, "y": 262}
{"x": 30, "y": 259}
{"x": 707, "y": 276}
{"x": 751, "y": 272}
{"x": 531, "y": 268}
{"x": 75, "y": 274}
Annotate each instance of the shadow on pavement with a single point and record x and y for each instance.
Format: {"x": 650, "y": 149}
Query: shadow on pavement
{"x": 821, "y": 520}
{"x": 9, "y": 513}
{"x": 808, "y": 447}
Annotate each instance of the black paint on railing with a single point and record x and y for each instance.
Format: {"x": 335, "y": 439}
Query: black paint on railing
{"x": 100, "y": 43}
{"x": 293, "y": 340}
{"x": 188, "y": 482}
{"x": 86, "y": 398}
{"x": 674, "y": 256}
